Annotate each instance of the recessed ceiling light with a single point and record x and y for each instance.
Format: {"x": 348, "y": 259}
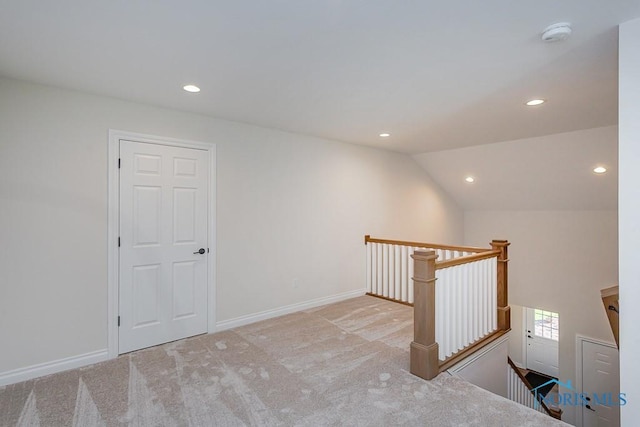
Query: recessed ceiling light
{"x": 385, "y": 135}
{"x": 600, "y": 169}
{"x": 469, "y": 179}
{"x": 191, "y": 88}
{"x": 535, "y": 102}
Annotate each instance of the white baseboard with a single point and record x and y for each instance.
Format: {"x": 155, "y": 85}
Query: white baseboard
{"x": 41, "y": 369}
{"x": 269, "y": 314}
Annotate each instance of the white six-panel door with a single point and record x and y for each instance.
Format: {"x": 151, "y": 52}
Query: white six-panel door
{"x": 600, "y": 376}
{"x": 163, "y": 227}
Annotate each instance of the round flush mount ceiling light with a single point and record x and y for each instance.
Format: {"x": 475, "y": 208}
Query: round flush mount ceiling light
{"x": 191, "y": 88}
{"x": 599, "y": 170}
{"x": 534, "y": 102}
{"x": 385, "y": 135}
{"x": 470, "y": 179}
{"x": 556, "y": 32}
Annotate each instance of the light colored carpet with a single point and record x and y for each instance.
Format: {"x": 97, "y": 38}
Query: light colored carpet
{"x": 344, "y": 364}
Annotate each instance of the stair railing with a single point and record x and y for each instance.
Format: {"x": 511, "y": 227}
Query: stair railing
{"x": 521, "y": 391}
{"x": 459, "y": 295}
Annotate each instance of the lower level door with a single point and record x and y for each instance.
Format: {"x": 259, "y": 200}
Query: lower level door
{"x": 542, "y": 341}
{"x": 601, "y": 383}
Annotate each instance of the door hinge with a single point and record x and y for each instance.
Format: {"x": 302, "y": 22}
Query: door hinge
{"x": 119, "y": 163}
{"x": 118, "y": 321}
{"x": 118, "y": 241}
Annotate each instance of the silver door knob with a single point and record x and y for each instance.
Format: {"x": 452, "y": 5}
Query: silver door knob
{"x": 200, "y": 251}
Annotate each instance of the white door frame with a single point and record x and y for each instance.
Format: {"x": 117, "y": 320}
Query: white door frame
{"x": 523, "y": 337}
{"x": 579, "y": 340}
{"x": 113, "y": 227}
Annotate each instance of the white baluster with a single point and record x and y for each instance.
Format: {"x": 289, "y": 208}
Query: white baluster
{"x": 487, "y": 305}
{"x": 392, "y": 271}
{"x": 398, "y": 272}
{"x": 440, "y": 310}
{"x": 368, "y": 273}
{"x": 477, "y": 308}
{"x": 450, "y": 308}
{"x": 446, "y": 331}
{"x": 374, "y": 268}
{"x": 444, "y": 313}
{"x": 487, "y": 268}
{"x": 410, "y": 287}
{"x": 446, "y": 310}
{"x": 493, "y": 263}
{"x": 439, "y": 313}
{"x": 405, "y": 273}
{"x": 385, "y": 270}
{"x": 455, "y": 312}
{"x": 483, "y": 302}
{"x": 379, "y": 270}
{"x": 467, "y": 279}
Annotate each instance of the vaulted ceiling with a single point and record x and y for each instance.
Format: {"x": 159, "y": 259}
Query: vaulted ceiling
{"x": 436, "y": 75}
{"x": 553, "y": 172}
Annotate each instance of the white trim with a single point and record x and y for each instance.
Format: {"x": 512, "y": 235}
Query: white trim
{"x": 113, "y": 226}
{"x": 41, "y": 369}
{"x": 524, "y": 339}
{"x": 579, "y": 340}
{"x": 478, "y": 354}
{"x": 113, "y": 203}
{"x": 213, "y": 247}
{"x": 287, "y": 309}
{"x": 613, "y": 290}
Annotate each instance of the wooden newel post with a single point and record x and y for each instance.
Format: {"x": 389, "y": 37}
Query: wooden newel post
{"x": 424, "y": 348}
{"x": 504, "y": 311}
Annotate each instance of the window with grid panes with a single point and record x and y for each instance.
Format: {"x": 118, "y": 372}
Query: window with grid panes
{"x": 546, "y": 324}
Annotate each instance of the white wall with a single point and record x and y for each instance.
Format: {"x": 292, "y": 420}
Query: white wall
{"x": 552, "y": 172}
{"x": 559, "y": 261}
{"x": 486, "y": 368}
{"x": 629, "y": 219}
{"x": 516, "y": 339}
{"x": 289, "y": 206}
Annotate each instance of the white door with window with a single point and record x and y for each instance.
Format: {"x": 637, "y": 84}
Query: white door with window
{"x": 542, "y": 333}
{"x": 601, "y": 384}
{"x": 163, "y": 254}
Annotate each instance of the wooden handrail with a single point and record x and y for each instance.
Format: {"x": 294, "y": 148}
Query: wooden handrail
{"x": 527, "y": 384}
{"x": 517, "y": 371}
{"x": 424, "y": 349}
{"x": 368, "y": 239}
{"x": 468, "y": 258}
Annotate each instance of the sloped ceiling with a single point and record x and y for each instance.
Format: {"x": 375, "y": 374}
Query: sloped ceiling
{"x": 544, "y": 173}
{"x": 436, "y": 75}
